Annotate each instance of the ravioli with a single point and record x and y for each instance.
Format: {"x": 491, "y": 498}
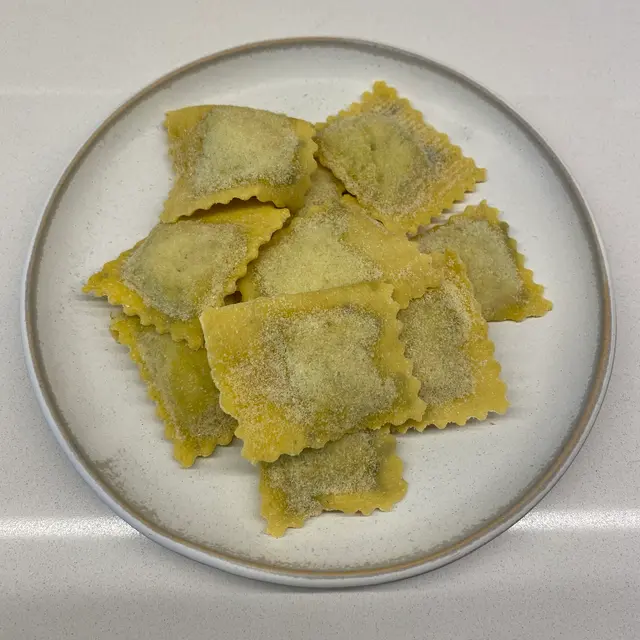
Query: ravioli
{"x": 178, "y": 269}
{"x": 356, "y": 474}
{"x": 281, "y": 301}
{"x": 503, "y": 286}
{"x": 179, "y": 381}
{"x": 337, "y": 245}
{"x": 447, "y": 340}
{"x": 222, "y": 152}
{"x": 302, "y": 370}
{"x": 398, "y": 167}
{"x": 325, "y": 188}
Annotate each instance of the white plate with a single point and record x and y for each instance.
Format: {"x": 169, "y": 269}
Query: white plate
{"x": 466, "y": 485}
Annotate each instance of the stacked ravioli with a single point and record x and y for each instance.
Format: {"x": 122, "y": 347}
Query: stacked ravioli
{"x": 297, "y": 296}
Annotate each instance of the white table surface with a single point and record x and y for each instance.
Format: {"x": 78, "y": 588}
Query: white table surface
{"x": 571, "y": 569}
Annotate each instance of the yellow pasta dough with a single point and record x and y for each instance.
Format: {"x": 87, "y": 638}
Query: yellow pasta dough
{"x": 325, "y": 188}
{"x": 400, "y": 168}
{"x": 302, "y": 370}
{"x": 179, "y": 381}
{"x": 223, "y": 152}
{"x": 358, "y": 473}
{"x": 503, "y": 286}
{"x": 178, "y": 269}
{"x": 446, "y": 338}
{"x": 336, "y": 245}
{"x": 280, "y": 299}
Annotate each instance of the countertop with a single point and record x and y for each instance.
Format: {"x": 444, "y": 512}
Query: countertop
{"x": 570, "y": 569}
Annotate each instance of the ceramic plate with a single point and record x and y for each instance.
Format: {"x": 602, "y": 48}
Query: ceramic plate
{"x": 466, "y": 485}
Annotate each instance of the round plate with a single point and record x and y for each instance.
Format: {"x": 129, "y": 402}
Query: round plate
{"x": 466, "y": 485}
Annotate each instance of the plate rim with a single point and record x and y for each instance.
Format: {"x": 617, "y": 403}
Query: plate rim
{"x": 599, "y": 380}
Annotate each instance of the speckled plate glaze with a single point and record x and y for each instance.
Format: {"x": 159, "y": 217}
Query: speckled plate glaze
{"x": 466, "y": 485}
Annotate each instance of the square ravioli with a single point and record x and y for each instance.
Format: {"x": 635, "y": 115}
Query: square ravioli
{"x": 356, "y": 474}
{"x": 222, "y": 152}
{"x": 302, "y": 370}
{"x": 398, "y": 167}
{"x": 503, "y": 286}
{"x": 336, "y": 245}
{"x": 446, "y": 337}
{"x": 179, "y": 380}
{"x": 178, "y": 269}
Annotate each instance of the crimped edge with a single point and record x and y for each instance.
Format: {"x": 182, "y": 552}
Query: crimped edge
{"x": 390, "y": 490}
{"x": 108, "y": 281}
{"x": 123, "y": 333}
{"x": 426, "y": 273}
{"x": 422, "y": 216}
{"x": 488, "y": 387}
{"x": 534, "y": 304}
{"x": 389, "y": 351}
{"x": 282, "y": 573}
{"x": 284, "y": 196}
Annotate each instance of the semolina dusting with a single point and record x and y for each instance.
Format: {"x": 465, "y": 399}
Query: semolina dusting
{"x": 325, "y": 188}
{"x": 168, "y": 277}
{"x": 181, "y": 267}
{"x": 321, "y": 373}
{"x": 435, "y": 329}
{"x": 490, "y": 263}
{"x": 221, "y": 153}
{"x": 336, "y": 245}
{"x": 324, "y": 337}
{"x": 240, "y": 146}
{"x": 179, "y": 380}
{"x": 358, "y": 473}
{"x": 447, "y": 340}
{"x": 311, "y": 255}
{"x": 388, "y": 165}
{"x": 503, "y": 286}
{"x": 400, "y": 168}
{"x": 301, "y": 370}
{"x": 349, "y": 465}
